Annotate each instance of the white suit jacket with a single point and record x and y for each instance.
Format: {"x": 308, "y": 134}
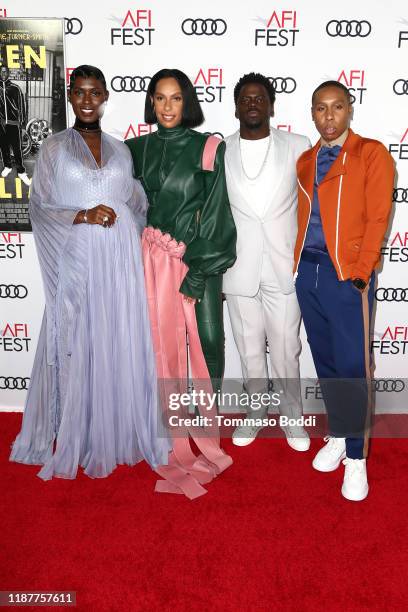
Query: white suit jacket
{"x": 274, "y": 234}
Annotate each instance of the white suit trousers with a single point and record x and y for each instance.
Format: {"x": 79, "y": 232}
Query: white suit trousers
{"x": 274, "y": 317}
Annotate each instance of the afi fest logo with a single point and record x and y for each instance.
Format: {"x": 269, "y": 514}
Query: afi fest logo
{"x": 354, "y": 81}
{"x": 393, "y": 341}
{"x": 137, "y": 129}
{"x": 68, "y": 72}
{"x": 208, "y": 85}
{"x": 403, "y": 34}
{"x": 11, "y": 245}
{"x": 286, "y": 127}
{"x": 136, "y": 29}
{"x": 14, "y": 337}
{"x": 400, "y": 149}
{"x": 280, "y": 30}
{"x": 396, "y": 250}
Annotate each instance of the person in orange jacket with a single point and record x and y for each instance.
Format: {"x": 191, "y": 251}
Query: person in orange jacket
{"x": 345, "y": 185}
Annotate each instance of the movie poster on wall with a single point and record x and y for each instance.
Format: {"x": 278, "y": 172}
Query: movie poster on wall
{"x": 32, "y": 107}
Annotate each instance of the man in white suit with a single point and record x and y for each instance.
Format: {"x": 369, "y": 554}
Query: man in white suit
{"x": 260, "y": 164}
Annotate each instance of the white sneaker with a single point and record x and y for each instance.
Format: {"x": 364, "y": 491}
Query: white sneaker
{"x": 328, "y": 458}
{"x": 355, "y": 485}
{"x": 6, "y": 171}
{"x": 245, "y": 434}
{"x": 23, "y": 176}
{"x": 297, "y": 438}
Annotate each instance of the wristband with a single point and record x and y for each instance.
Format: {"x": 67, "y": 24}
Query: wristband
{"x": 85, "y": 218}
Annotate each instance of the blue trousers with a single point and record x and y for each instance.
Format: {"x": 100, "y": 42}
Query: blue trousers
{"x": 336, "y": 317}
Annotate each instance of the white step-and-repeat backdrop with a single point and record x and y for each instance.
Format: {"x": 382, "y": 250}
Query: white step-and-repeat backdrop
{"x": 298, "y": 44}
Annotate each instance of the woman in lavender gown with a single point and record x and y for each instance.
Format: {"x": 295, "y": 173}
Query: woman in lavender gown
{"x": 92, "y": 397}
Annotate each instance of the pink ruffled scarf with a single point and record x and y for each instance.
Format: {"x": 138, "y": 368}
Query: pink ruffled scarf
{"x": 172, "y": 319}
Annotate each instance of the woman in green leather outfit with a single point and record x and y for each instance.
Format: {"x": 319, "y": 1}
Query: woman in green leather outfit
{"x": 190, "y": 221}
{"x": 189, "y": 203}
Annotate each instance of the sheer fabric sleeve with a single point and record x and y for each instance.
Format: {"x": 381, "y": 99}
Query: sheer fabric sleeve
{"x": 137, "y": 201}
{"x": 52, "y": 224}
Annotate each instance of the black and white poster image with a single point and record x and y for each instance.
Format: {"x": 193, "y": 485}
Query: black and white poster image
{"x": 32, "y": 107}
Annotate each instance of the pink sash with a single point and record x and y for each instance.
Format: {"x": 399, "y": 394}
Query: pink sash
{"x": 172, "y": 319}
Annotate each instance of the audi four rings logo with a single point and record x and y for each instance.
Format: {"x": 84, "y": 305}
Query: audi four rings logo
{"x": 13, "y": 291}
{"x": 389, "y": 294}
{"x": 14, "y": 382}
{"x": 400, "y": 194}
{"x": 128, "y": 84}
{"x": 390, "y": 385}
{"x": 400, "y": 87}
{"x": 283, "y": 85}
{"x": 351, "y": 28}
{"x": 204, "y": 27}
{"x": 73, "y": 25}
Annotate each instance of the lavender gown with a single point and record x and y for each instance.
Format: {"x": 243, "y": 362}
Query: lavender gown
{"x": 93, "y": 384}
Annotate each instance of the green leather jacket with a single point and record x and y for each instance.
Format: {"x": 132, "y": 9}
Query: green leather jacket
{"x": 189, "y": 203}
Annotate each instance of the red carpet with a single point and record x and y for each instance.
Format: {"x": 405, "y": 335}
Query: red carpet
{"x": 271, "y": 534}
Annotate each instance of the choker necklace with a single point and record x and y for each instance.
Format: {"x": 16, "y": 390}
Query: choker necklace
{"x": 81, "y": 126}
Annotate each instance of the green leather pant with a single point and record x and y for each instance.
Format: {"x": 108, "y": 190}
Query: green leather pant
{"x": 209, "y": 314}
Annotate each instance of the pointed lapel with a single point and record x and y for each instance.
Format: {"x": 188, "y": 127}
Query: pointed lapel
{"x": 352, "y": 146}
{"x": 337, "y": 169}
{"x": 306, "y": 167}
{"x": 276, "y": 165}
{"x": 234, "y": 169}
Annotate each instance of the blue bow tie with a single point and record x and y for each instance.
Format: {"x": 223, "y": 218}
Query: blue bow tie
{"x": 331, "y": 152}
{"x": 325, "y": 158}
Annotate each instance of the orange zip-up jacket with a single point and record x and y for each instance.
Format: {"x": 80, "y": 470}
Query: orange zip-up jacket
{"x": 355, "y": 200}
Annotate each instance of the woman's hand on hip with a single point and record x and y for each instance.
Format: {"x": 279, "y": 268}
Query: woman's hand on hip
{"x": 99, "y": 215}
